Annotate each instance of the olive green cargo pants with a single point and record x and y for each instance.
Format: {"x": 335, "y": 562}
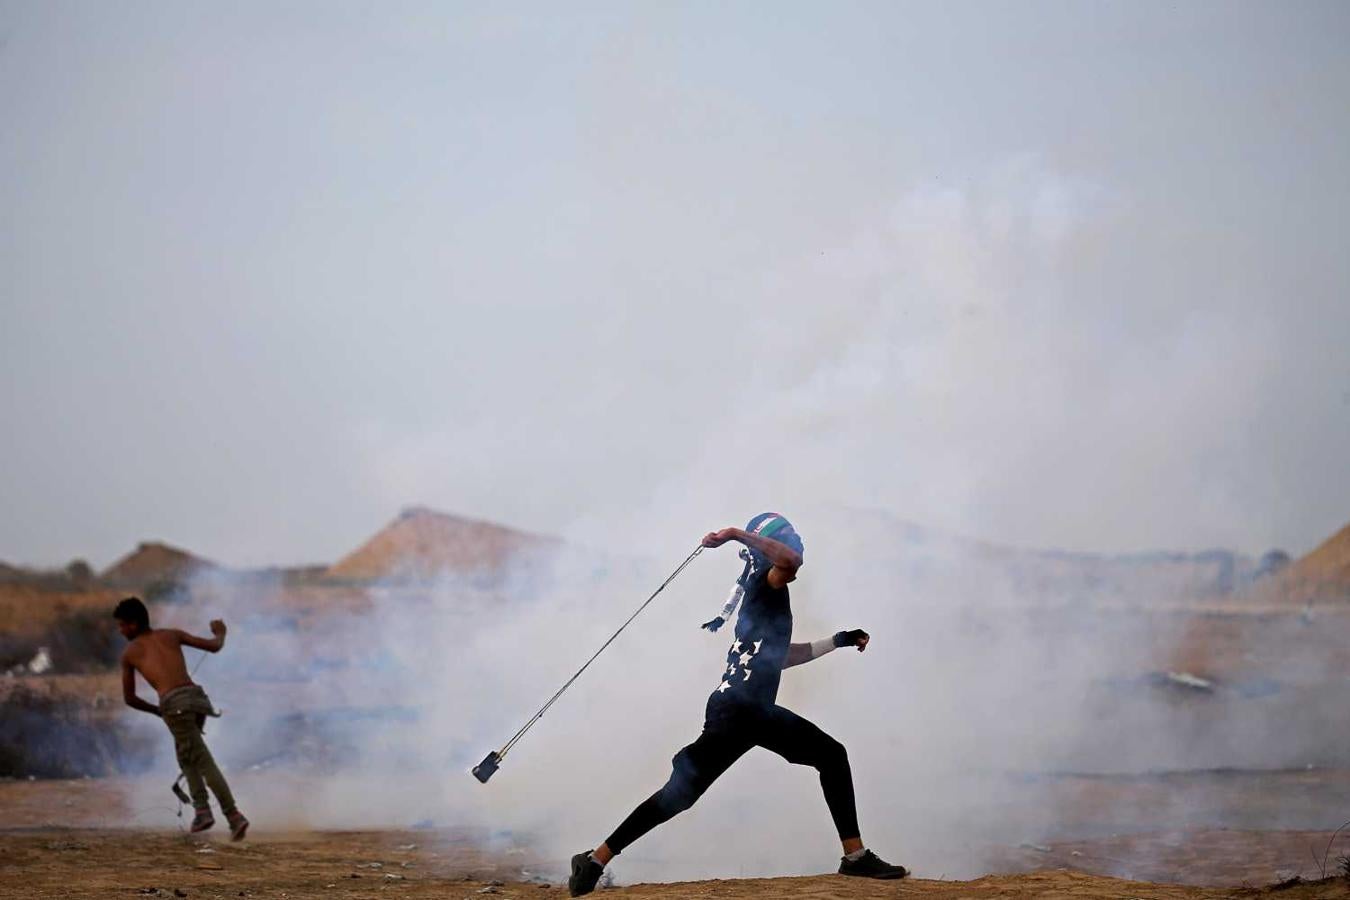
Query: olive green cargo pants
{"x": 185, "y": 710}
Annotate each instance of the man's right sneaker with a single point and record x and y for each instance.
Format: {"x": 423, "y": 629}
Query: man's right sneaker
{"x": 586, "y": 874}
{"x": 202, "y": 821}
{"x": 869, "y": 865}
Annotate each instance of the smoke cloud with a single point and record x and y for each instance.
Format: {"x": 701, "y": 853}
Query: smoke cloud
{"x": 980, "y": 687}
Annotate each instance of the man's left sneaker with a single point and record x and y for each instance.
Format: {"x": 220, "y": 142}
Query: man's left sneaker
{"x": 586, "y": 874}
{"x": 869, "y": 865}
{"x": 238, "y": 825}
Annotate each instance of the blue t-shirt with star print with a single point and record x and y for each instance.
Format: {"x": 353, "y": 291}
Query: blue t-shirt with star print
{"x": 763, "y": 631}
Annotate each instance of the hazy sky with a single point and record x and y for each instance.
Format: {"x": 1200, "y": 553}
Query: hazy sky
{"x": 1050, "y": 274}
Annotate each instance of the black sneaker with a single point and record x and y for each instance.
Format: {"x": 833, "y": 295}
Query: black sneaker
{"x": 586, "y": 874}
{"x": 869, "y": 865}
{"x": 238, "y": 825}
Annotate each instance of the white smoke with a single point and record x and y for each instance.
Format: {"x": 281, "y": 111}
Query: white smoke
{"x": 932, "y": 366}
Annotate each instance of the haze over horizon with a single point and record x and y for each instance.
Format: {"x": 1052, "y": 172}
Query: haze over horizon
{"x": 1049, "y": 275}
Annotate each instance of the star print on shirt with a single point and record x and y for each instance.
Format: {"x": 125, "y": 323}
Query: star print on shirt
{"x": 745, "y": 651}
{"x": 746, "y": 654}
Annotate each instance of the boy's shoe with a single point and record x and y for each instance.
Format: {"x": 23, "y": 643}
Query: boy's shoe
{"x": 586, "y": 874}
{"x": 869, "y": 865}
{"x": 238, "y": 825}
{"x": 202, "y": 821}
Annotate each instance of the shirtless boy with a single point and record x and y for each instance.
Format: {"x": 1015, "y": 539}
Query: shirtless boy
{"x": 157, "y": 653}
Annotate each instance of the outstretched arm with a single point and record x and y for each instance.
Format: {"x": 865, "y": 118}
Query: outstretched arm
{"x": 801, "y": 653}
{"x": 779, "y": 554}
{"x": 211, "y": 644}
{"x": 129, "y": 691}
{"x": 781, "y": 557}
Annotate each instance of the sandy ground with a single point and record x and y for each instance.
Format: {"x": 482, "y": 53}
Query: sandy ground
{"x": 72, "y": 839}
{"x": 131, "y": 863}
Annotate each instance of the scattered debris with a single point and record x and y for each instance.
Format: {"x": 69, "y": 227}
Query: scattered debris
{"x": 1039, "y": 848}
{"x": 207, "y": 849}
{"x": 489, "y": 889}
{"x": 41, "y": 661}
{"x": 1186, "y": 679}
{"x": 406, "y": 847}
{"x": 370, "y": 865}
{"x": 392, "y": 877}
{"x": 1286, "y": 883}
{"x": 66, "y": 845}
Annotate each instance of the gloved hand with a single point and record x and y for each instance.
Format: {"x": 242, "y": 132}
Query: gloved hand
{"x": 855, "y": 638}
{"x": 714, "y": 624}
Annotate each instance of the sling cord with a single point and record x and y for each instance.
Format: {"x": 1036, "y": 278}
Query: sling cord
{"x": 539, "y": 715}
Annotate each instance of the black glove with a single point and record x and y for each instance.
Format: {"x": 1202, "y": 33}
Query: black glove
{"x": 850, "y": 638}
{"x": 714, "y": 624}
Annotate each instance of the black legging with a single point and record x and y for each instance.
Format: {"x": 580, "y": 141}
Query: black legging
{"x": 724, "y": 740}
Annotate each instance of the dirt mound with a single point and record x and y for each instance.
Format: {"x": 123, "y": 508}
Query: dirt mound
{"x": 77, "y": 575}
{"x": 29, "y": 609}
{"x": 424, "y": 544}
{"x": 154, "y": 562}
{"x": 1321, "y": 576}
{"x": 11, "y": 573}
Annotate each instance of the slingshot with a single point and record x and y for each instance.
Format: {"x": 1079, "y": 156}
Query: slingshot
{"x": 485, "y": 769}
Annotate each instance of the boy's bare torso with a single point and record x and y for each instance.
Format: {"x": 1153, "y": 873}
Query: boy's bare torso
{"x": 158, "y": 656}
